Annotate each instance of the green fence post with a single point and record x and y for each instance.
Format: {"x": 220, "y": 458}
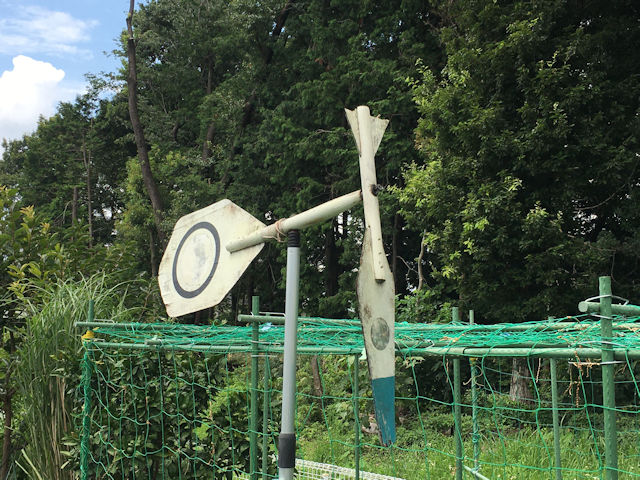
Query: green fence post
{"x": 556, "y": 417}
{"x": 253, "y": 428}
{"x": 475, "y": 438}
{"x": 86, "y": 410}
{"x": 356, "y": 411}
{"x": 266, "y": 399}
{"x": 608, "y": 381}
{"x": 457, "y": 402}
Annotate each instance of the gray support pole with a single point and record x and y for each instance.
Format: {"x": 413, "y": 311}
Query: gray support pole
{"x": 608, "y": 382}
{"x": 253, "y": 427}
{"x": 356, "y": 411}
{"x": 287, "y": 440}
{"x": 475, "y": 438}
{"x": 457, "y": 401}
{"x": 556, "y": 416}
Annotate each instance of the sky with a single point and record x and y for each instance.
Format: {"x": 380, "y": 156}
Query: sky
{"x": 46, "y": 48}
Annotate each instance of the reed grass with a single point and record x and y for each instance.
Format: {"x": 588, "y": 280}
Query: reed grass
{"x": 48, "y": 372}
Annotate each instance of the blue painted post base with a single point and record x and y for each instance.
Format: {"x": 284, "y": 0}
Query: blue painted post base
{"x": 384, "y": 398}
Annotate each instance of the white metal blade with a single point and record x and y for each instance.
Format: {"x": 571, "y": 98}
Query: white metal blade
{"x": 197, "y": 271}
{"x": 377, "y": 315}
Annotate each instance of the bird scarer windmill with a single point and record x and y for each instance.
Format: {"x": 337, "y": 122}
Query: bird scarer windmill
{"x": 210, "y": 249}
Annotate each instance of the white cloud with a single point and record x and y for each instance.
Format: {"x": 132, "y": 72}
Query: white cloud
{"x": 31, "y": 89}
{"x": 34, "y": 29}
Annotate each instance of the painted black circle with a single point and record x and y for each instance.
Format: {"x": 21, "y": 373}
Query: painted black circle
{"x": 216, "y": 238}
{"x": 380, "y": 333}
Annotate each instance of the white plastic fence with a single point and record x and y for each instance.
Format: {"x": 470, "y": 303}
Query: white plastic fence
{"x": 307, "y": 470}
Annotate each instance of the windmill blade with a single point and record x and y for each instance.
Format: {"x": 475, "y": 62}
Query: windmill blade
{"x": 196, "y": 270}
{"x": 377, "y": 315}
{"x": 375, "y": 286}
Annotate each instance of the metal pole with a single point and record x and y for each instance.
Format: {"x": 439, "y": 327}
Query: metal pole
{"x": 608, "y": 381}
{"x": 457, "y": 401}
{"x": 266, "y": 399}
{"x": 475, "y": 437}
{"x": 556, "y": 417}
{"x": 477, "y": 475}
{"x": 287, "y": 440}
{"x": 356, "y": 411}
{"x": 305, "y": 219}
{"x": 457, "y": 395}
{"x": 594, "y": 307}
{"x": 279, "y": 319}
{"x": 253, "y": 427}
{"x": 568, "y": 353}
{"x": 86, "y": 412}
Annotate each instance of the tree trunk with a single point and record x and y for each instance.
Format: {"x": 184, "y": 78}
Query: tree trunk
{"x": 7, "y": 409}
{"x": 155, "y": 466}
{"x": 87, "y": 165}
{"x": 332, "y": 266}
{"x": 317, "y": 381}
{"x": 419, "y": 262}
{"x": 74, "y": 206}
{"x": 277, "y": 29}
{"x": 153, "y": 257}
{"x": 206, "y": 145}
{"x": 234, "y": 307}
{"x": 394, "y": 248}
{"x": 520, "y": 376}
{"x": 143, "y": 154}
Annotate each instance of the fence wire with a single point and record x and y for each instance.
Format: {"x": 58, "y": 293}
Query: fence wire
{"x": 168, "y": 401}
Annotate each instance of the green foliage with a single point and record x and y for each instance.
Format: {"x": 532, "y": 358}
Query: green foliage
{"x": 42, "y": 292}
{"x": 423, "y": 306}
{"x": 174, "y": 413}
{"x": 524, "y": 183}
{"x": 237, "y": 109}
{"x": 48, "y": 373}
{"x": 76, "y": 150}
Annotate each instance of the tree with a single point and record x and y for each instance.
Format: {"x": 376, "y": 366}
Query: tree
{"x": 72, "y": 166}
{"x": 190, "y": 65}
{"x": 268, "y": 86}
{"x": 530, "y": 179}
{"x": 138, "y": 131}
{"x": 332, "y": 56}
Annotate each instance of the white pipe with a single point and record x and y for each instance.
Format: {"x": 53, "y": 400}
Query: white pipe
{"x": 313, "y": 216}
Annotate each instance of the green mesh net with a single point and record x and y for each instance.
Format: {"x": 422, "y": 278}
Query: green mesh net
{"x": 525, "y": 401}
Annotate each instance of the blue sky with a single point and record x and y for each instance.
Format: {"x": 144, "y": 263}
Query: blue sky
{"x": 46, "y": 48}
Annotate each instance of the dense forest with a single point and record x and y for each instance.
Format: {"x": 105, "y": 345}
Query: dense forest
{"x": 509, "y": 167}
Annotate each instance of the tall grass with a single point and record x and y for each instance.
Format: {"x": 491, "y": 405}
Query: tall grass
{"x": 521, "y": 455}
{"x": 49, "y": 371}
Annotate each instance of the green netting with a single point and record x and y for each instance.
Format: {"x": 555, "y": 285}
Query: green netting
{"x": 166, "y": 401}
